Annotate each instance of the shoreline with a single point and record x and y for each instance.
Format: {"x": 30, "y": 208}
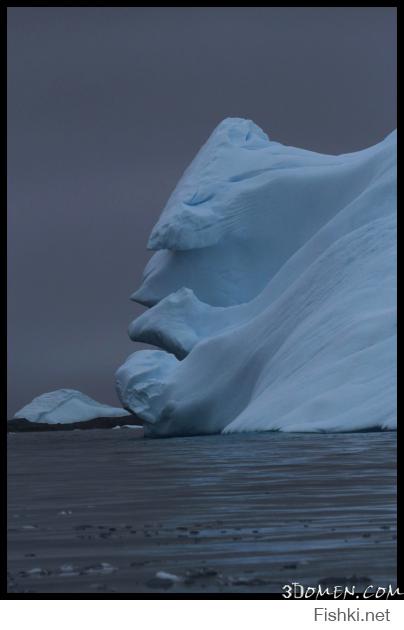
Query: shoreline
{"x": 16, "y": 425}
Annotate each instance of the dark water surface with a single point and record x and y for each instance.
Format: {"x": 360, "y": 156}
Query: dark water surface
{"x": 103, "y": 511}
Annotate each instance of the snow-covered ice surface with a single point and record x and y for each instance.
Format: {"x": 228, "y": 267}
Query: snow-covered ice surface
{"x": 272, "y": 293}
{"x": 65, "y": 406}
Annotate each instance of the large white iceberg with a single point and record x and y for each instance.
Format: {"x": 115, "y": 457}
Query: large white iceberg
{"x": 67, "y": 406}
{"x": 272, "y": 293}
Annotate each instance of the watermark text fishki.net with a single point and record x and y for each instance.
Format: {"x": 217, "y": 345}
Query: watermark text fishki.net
{"x": 351, "y": 614}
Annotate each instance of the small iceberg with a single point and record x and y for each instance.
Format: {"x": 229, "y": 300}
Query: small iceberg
{"x": 70, "y": 408}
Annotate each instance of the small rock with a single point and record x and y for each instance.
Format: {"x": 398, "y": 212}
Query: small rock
{"x": 100, "y": 569}
{"x": 162, "y": 575}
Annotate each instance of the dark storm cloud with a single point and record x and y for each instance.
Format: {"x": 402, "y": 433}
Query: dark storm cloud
{"x": 106, "y": 107}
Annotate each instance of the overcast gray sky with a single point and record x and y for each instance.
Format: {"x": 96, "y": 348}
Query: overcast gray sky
{"x": 107, "y": 106}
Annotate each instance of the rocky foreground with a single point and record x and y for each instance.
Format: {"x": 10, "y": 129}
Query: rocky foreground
{"x": 103, "y": 511}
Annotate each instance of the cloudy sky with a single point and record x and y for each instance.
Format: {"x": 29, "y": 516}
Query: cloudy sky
{"x": 107, "y": 106}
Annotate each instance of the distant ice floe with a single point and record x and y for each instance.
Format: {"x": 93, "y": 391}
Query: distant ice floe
{"x": 67, "y": 406}
{"x": 272, "y": 292}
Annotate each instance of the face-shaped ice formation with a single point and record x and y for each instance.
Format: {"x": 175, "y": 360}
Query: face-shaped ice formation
{"x": 272, "y": 292}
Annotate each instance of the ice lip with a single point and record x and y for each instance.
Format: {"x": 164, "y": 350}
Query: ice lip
{"x": 143, "y": 383}
{"x": 166, "y": 324}
{"x": 273, "y": 297}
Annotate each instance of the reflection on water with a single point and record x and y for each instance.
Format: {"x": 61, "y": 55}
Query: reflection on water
{"x": 225, "y": 513}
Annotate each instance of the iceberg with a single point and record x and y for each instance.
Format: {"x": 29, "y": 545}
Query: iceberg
{"x": 272, "y": 293}
{"x": 67, "y": 406}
